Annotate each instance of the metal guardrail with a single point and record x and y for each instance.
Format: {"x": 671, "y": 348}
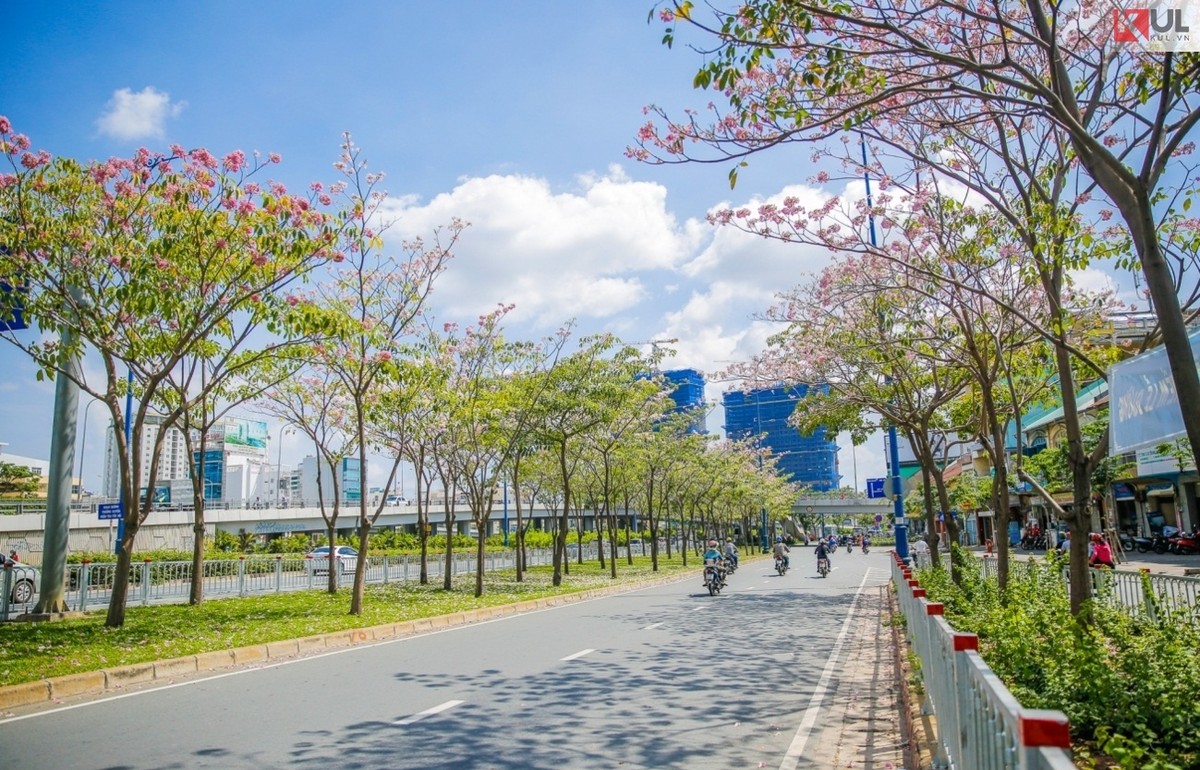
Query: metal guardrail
{"x": 1142, "y": 592}
{"x": 90, "y": 585}
{"x": 979, "y": 724}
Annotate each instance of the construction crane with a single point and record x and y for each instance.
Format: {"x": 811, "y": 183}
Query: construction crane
{"x": 654, "y": 344}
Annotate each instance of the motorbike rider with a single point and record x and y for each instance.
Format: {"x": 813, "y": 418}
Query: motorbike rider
{"x": 866, "y": 543}
{"x": 713, "y": 558}
{"x": 731, "y": 553}
{"x": 823, "y": 553}
{"x": 1101, "y": 553}
{"x": 782, "y": 551}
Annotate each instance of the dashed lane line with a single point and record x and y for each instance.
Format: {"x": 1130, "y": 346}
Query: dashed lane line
{"x": 579, "y": 654}
{"x": 428, "y": 712}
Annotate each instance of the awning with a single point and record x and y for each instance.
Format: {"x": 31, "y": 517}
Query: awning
{"x": 1161, "y": 489}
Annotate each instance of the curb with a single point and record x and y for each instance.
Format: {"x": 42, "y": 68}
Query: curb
{"x": 114, "y": 679}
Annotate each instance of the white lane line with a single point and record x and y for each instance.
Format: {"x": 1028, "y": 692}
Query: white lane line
{"x": 796, "y": 749}
{"x": 579, "y": 654}
{"x": 428, "y": 712}
{"x": 652, "y": 626}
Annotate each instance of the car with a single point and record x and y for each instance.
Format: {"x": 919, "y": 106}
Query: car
{"x": 318, "y": 559}
{"x": 24, "y": 581}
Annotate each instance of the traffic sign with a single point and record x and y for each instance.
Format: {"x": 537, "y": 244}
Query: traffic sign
{"x": 14, "y": 307}
{"x": 875, "y": 488}
{"x": 110, "y": 511}
{"x": 879, "y": 518}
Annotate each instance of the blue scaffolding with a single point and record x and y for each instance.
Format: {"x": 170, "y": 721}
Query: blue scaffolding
{"x": 763, "y": 414}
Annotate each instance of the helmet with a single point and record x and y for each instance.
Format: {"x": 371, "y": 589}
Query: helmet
{"x": 778, "y": 539}
{"x": 1095, "y": 538}
{"x": 712, "y": 542}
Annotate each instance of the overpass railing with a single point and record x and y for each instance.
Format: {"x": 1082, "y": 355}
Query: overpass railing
{"x": 978, "y": 722}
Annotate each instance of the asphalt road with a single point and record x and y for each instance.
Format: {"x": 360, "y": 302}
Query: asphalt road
{"x": 663, "y": 677}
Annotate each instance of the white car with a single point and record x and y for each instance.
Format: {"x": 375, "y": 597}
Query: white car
{"x": 318, "y": 559}
{"x": 24, "y": 581}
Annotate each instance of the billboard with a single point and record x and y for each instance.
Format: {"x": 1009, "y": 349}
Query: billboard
{"x": 1143, "y": 405}
{"x": 251, "y": 434}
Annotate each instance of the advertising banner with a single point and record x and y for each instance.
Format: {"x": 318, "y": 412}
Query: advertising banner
{"x": 1144, "y": 407}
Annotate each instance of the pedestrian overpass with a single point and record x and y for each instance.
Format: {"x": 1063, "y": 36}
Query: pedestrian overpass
{"x": 840, "y": 510}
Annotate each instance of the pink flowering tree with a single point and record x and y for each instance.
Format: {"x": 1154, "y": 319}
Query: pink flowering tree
{"x": 379, "y": 294}
{"x": 141, "y": 263}
{"x": 1034, "y": 90}
{"x": 314, "y": 402}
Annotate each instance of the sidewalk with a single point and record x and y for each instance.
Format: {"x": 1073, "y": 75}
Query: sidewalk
{"x": 1163, "y": 564}
{"x": 868, "y": 724}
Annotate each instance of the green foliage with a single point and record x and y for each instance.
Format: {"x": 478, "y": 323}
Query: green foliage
{"x": 17, "y": 480}
{"x": 1127, "y": 682}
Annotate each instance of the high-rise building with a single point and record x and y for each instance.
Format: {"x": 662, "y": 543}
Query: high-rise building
{"x": 688, "y": 394}
{"x": 349, "y": 488}
{"x": 763, "y": 414}
{"x": 173, "y": 457}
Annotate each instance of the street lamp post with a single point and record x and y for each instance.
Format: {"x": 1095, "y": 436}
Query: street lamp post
{"x": 279, "y": 463}
{"x": 901, "y": 525}
{"x": 83, "y": 447}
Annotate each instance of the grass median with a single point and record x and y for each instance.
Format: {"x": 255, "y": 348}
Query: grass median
{"x": 33, "y": 651}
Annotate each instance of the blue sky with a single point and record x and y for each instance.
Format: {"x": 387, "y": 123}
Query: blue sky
{"x": 513, "y": 115}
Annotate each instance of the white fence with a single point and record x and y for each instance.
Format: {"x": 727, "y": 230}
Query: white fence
{"x": 90, "y": 585}
{"x": 979, "y": 724}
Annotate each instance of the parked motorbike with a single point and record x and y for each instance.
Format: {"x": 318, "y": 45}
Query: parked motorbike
{"x": 712, "y": 579}
{"x": 1160, "y": 544}
{"x": 1143, "y": 544}
{"x": 1033, "y": 543}
{"x": 1185, "y": 543}
{"x": 823, "y": 567}
{"x": 1127, "y": 541}
{"x": 780, "y": 565}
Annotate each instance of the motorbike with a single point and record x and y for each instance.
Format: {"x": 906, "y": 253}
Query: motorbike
{"x": 780, "y": 565}
{"x": 1143, "y": 544}
{"x": 712, "y": 579}
{"x": 1033, "y": 543}
{"x": 866, "y": 547}
{"x": 1185, "y": 543}
{"x": 823, "y": 567}
{"x": 1127, "y": 542}
{"x": 849, "y": 547}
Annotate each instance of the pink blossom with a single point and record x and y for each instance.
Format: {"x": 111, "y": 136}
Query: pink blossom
{"x": 293, "y": 300}
{"x": 274, "y": 157}
{"x": 5, "y": 126}
{"x": 234, "y": 161}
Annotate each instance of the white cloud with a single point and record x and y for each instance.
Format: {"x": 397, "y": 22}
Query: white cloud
{"x": 597, "y": 251}
{"x": 140, "y": 115}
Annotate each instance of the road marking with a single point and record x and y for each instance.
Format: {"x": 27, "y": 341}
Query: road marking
{"x": 579, "y": 654}
{"x": 428, "y": 712}
{"x": 796, "y": 749}
{"x": 101, "y": 699}
{"x": 651, "y": 626}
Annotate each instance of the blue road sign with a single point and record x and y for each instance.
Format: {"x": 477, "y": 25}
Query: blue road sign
{"x": 109, "y": 511}
{"x": 879, "y": 518}
{"x": 875, "y": 488}
{"x": 15, "y": 307}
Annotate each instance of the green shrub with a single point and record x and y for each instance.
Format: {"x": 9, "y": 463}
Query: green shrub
{"x": 1126, "y": 682}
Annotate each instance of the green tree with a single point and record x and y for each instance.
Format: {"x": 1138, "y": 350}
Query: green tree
{"x": 143, "y": 262}
{"x": 17, "y": 480}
